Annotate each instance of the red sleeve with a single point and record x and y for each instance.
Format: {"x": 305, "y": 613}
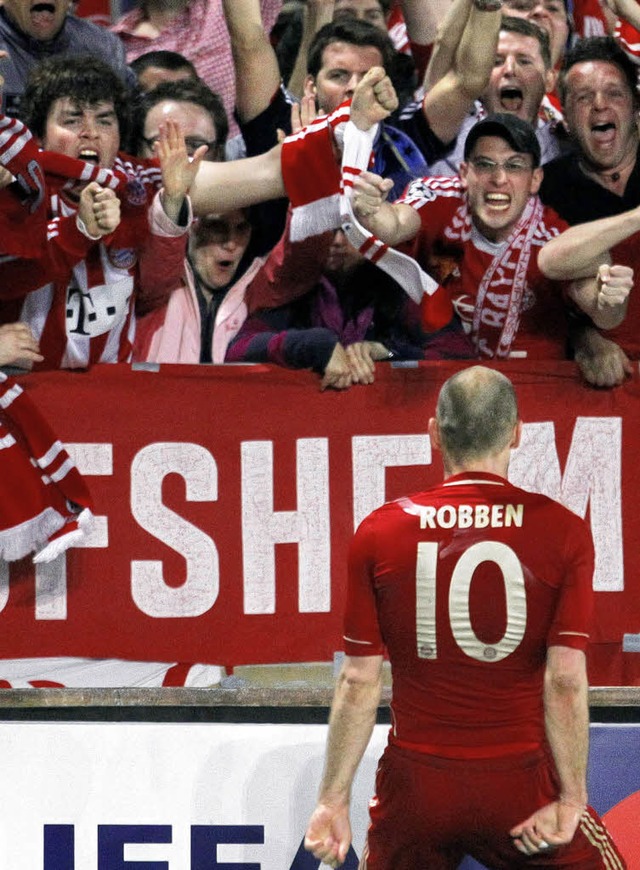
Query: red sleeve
{"x": 361, "y": 629}
{"x": 290, "y": 271}
{"x": 161, "y": 261}
{"x": 66, "y": 247}
{"x": 572, "y": 620}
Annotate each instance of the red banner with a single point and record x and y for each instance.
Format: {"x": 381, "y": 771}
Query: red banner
{"x": 226, "y": 497}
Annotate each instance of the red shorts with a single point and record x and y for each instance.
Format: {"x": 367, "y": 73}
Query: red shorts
{"x": 431, "y": 812}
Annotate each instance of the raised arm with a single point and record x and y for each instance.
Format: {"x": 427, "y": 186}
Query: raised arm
{"x": 566, "y": 716}
{"x": 461, "y": 64}
{"x": 220, "y": 187}
{"x": 579, "y": 250}
{"x": 353, "y": 715}
{"x": 424, "y": 20}
{"x": 316, "y": 13}
{"x": 629, "y": 10}
{"x": 447, "y": 37}
{"x": 255, "y": 61}
{"x": 605, "y": 297}
{"x": 390, "y": 222}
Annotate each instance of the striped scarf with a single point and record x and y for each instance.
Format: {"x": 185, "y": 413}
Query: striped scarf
{"x": 320, "y": 195}
{"x": 40, "y": 174}
{"x": 45, "y": 505}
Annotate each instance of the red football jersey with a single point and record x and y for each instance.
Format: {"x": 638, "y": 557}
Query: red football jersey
{"x": 83, "y": 312}
{"x": 466, "y": 585}
{"x": 453, "y": 251}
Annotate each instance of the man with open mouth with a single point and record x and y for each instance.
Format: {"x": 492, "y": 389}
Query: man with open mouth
{"x": 601, "y": 179}
{"x": 82, "y": 309}
{"x": 521, "y": 77}
{"x": 31, "y": 30}
{"x": 492, "y": 224}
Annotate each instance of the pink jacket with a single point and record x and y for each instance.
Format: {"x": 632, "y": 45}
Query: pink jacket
{"x": 171, "y": 334}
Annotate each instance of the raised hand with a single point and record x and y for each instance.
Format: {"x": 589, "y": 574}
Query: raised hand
{"x": 99, "y": 210}
{"x": 302, "y": 114}
{"x": 614, "y": 285}
{"x": 373, "y": 99}
{"x": 178, "y": 169}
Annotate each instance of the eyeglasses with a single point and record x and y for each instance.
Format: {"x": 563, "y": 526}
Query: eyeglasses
{"x": 192, "y": 144}
{"x": 513, "y": 166}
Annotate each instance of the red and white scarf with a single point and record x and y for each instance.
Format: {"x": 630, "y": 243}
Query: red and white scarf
{"x": 494, "y": 341}
{"x": 45, "y": 505}
{"x": 320, "y": 195}
{"x": 435, "y": 303}
{"x": 40, "y": 175}
{"x": 311, "y": 175}
{"x": 24, "y": 204}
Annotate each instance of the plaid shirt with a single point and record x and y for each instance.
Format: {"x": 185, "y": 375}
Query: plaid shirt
{"x": 200, "y": 34}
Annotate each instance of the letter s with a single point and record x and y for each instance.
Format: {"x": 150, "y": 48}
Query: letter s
{"x": 200, "y": 590}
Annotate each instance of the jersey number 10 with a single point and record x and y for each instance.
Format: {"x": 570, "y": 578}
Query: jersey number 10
{"x": 458, "y": 611}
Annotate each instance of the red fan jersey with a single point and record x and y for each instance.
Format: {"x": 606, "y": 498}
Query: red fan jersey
{"x": 453, "y": 251}
{"x": 85, "y": 312}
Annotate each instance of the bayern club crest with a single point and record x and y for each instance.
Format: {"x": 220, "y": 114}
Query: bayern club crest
{"x": 122, "y": 258}
{"x": 135, "y": 192}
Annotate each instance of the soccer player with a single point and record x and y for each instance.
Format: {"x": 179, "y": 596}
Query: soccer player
{"x": 481, "y": 594}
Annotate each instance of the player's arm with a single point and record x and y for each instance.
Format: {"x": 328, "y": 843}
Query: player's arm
{"x": 353, "y": 715}
{"x": 566, "y": 717}
{"x": 391, "y": 222}
{"x": 605, "y": 297}
{"x": 579, "y": 250}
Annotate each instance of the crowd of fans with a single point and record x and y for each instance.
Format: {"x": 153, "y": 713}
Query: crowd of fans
{"x": 506, "y": 169}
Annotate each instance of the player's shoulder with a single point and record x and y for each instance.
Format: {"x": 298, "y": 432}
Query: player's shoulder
{"x": 556, "y": 517}
{"x": 401, "y": 509}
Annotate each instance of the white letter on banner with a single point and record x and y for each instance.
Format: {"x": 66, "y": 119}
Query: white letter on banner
{"x": 91, "y": 460}
{"x": 4, "y": 584}
{"x": 200, "y": 590}
{"x": 309, "y": 526}
{"x": 372, "y": 454}
{"x": 592, "y": 478}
